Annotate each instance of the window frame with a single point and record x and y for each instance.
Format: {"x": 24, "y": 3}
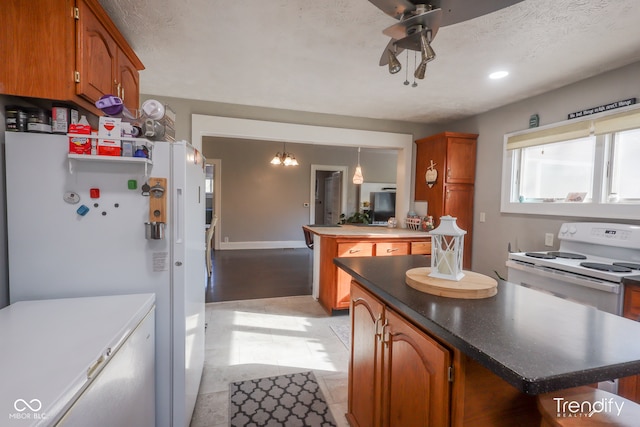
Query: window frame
{"x": 598, "y": 207}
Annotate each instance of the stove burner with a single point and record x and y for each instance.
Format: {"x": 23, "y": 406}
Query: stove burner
{"x": 630, "y": 265}
{"x": 606, "y": 267}
{"x": 539, "y": 255}
{"x": 567, "y": 255}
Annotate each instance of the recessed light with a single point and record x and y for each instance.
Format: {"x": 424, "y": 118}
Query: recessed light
{"x": 498, "y": 75}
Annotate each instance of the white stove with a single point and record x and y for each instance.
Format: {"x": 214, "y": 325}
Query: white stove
{"x": 588, "y": 267}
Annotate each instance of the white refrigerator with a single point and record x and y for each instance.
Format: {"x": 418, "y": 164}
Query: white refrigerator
{"x": 76, "y": 228}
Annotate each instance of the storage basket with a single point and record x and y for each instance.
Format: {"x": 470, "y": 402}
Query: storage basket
{"x": 413, "y": 223}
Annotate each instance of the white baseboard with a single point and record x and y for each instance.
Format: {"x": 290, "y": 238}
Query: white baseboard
{"x": 287, "y": 244}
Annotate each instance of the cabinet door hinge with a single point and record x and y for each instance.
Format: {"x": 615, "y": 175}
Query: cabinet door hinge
{"x": 450, "y": 374}
{"x": 76, "y": 13}
{"x": 76, "y": 76}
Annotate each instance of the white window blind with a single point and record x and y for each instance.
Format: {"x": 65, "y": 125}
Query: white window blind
{"x": 567, "y": 131}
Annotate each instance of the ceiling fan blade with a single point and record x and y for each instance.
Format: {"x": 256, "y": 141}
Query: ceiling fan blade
{"x": 384, "y": 59}
{"x": 431, "y": 19}
{"x": 454, "y": 11}
{"x": 394, "y": 8}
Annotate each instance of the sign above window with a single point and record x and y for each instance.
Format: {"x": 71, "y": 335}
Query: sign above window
{"x": 602, "y": 108}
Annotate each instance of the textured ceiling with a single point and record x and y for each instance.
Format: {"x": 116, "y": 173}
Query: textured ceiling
{"x": 322, "y": 56}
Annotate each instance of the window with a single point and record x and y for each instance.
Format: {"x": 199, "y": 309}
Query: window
{"x": 625, "y": 168}
{"x": 551, "y": 172}
{"x": 585, "y": 168}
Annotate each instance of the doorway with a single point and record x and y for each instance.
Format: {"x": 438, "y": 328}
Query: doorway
{"x": 337, "y": 203}
{"x": 213, "y": 189}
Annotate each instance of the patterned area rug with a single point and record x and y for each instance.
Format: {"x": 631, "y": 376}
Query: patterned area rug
{"x": 293, "y": 400}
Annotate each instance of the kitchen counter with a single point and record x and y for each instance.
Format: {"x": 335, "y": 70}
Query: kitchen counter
{"x": 348, "y": 230}
{"x": 631, "y": 280}
{"x": 536, "y": 342}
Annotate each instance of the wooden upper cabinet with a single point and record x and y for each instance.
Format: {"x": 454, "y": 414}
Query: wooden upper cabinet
{"x": 454, "y": 158}
{"x": 129, "y": 81}
{"x": 37, "y": 49}
{"x": 461, "y": 160}
{"x": 66, "y": 50}
{"x": 96, "y": 56}
{"x": 106, "y": 63}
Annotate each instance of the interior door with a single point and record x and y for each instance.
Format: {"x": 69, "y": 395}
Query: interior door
{"x": 336, "y": 196}
{"x": 328, "y": 196}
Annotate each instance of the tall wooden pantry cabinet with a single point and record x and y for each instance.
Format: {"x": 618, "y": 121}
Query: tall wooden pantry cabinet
{"x": 445, "y": 177}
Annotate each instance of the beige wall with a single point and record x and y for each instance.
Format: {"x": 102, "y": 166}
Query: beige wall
{"x": 526, "y": 232}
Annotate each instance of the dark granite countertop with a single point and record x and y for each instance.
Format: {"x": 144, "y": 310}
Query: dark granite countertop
{"x": 534, "y": 341}
{"x": 631, "y": 280}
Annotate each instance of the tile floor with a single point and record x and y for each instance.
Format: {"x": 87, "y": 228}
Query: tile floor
{"x": 267, "y": 337}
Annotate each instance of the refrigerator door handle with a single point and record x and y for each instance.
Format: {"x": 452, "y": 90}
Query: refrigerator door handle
{"x": 179, "y": 222}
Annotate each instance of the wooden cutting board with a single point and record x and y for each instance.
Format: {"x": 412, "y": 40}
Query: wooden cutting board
{"x": 471, "y": 286}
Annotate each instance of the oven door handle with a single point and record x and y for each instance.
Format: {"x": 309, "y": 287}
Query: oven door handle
{"x": 588, "y": 282}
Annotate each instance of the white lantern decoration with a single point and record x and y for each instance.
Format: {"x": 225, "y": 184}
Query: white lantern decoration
{"x": 447, "y": 246}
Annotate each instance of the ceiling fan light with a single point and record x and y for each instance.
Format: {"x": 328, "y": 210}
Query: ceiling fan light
{"x": 428, "y": 54}
{"x": 394, "y": 64}
{"x": 421, "y": 70}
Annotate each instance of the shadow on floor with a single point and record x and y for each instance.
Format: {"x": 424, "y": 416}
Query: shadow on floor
{"x": 259, "y": 273}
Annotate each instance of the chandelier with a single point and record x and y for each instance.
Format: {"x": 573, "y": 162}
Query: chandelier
{"x": 284, "y": 158}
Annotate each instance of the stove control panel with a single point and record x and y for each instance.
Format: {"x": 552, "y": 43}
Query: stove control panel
{"x": 619, "y": 235}
{"x": 611, "y": 233}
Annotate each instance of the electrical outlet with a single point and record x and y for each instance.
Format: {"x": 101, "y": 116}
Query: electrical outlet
{"x": 548, "y": 239}
{"x": 226, "y": 239}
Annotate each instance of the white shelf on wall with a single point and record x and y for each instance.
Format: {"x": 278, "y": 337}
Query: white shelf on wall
{"x": 143, "y": 161}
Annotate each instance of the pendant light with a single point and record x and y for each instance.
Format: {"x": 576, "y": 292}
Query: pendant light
{"x": 357, "y": 177}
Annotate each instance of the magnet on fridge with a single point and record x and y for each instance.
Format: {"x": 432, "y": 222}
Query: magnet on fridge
{"x": 94, "y": 193}
{"x": 71, "y": 197}
{"x": 82, "y": 210}
{"x": 132, "y": 184}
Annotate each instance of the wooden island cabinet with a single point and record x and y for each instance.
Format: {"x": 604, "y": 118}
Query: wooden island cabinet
{"x": 399, "y": 375}
{"x": 629, "y": 387}
{"x": 67, "y": 51}
{"x": 358, "y": 241}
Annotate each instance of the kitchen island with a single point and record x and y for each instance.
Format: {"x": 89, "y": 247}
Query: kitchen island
{"x": 471, "y": 362}
{"x": 331, "y": 285}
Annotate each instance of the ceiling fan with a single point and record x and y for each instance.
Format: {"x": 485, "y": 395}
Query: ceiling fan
{"x": 419, "y": 21}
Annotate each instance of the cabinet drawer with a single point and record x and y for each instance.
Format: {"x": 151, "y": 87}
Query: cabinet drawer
{"x": 420, "y": 248}
{"x": 392, "y": 248}
{"x": 355, "y": 249}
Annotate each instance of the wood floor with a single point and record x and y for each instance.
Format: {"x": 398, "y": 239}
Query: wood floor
{"x": 259, "y": 273}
